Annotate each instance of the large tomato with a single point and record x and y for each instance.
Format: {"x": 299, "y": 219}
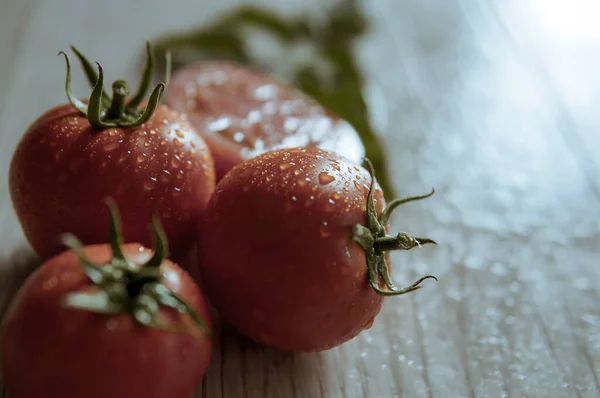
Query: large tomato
{"x": 101, "y": 322}
{"x": 292, "y": 251}
{"x": 76, "y": 154}
{"x": 242, "y": 113}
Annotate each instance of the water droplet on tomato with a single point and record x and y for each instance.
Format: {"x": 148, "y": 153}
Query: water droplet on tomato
{"x": 302, "y": 182}
{"x": 176, "y": 191}
{"x": 165, "y": 176}
{"x": 356, "y": 168}
{"x": 335, "y": 166}
{"x": 297, "y": 172}
{"x": 265, "y": 92}
{"x": 220, "y": 124}
{"x": 50, "y": 283}
{"x": 345, "y": 190}
{"x": 179, "y": 134}
{"x": 238, "y": 136}
{"x": 112, "y": 132}
{"x": 324, "y": 230}
{"x": 285, "y": 166}
{"x": 188, "y": 164}
{"x": 357, "y": 185}
{"x": 111, "y": 146}
{"x": 331, "y": 201}
{"x": 176, "y": 161}
{"x": 337, "y": 195}
{"x": 152, "y": 132}
{"x": 150, "y": 184}
{"x": 111, "y": 324}
{"x": 177, "y": 142}
{"x": 140, "y": 158}
{"x": 325, "y": 178}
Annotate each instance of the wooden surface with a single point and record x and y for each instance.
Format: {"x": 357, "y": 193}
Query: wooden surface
{"x": 494, "y": 103}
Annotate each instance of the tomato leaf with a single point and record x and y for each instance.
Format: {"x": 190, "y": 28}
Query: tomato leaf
{"x": 90, "y": 73}
{"x": 172, "y": 300}
{"x": 160, "y": 245}
{"x": 98, "y": 302}
{"x": 150, "y": 108}
{"x": 145, "y": 80}
{"x": 77, "y": 104}
{"x": 115, "y": 234}
{"x": 93, "y": 271}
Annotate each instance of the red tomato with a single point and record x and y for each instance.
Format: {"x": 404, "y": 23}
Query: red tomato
{"x": 77, "y": 330}
{"x": 292, "y": 251}
{"x": 242, "y": 113}
{"x": 64, "y": 167}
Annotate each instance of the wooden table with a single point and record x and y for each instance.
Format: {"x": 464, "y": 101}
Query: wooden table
{"x": 494, "y": 103}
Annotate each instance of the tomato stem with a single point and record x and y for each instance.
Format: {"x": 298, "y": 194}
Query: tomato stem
{"x": 105, "y": 112}
{"x": 402, "y": 241}
{"x": 117, "y": 106}
{"x": 125, "y": 288}
{"x": 375, "y": 242}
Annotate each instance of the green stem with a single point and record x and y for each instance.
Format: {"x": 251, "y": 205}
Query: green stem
{"x": 122, "y": 287}
{"x": 120, "y": 93}
{"x": 104, "y": 112}
{"x": 374, "y": 240}
{"x": 402, "y": 241}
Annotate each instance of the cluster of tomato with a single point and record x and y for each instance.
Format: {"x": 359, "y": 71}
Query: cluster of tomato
{"x": 291, "y": 232}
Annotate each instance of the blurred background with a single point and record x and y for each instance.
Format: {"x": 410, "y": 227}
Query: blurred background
{"x": 493, "y": 103}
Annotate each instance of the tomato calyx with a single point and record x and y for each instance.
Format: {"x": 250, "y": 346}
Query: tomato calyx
{"x": 122, "y": 287}
{"x": 103, "y": 111}
{"x": 375, "y": 241}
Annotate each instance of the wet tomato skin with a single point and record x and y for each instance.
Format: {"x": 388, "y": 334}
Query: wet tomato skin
{"x": 242, "y": 113}
{"x": 51, "y": 351}
{"x": 277, "y": 257}
{"x": 63, "y": 169}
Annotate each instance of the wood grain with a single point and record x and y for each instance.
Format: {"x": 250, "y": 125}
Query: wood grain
{"x": 492, "y": 103}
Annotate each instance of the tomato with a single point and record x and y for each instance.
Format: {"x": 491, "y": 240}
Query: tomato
{"x": 242, "y": 113}
{"x": 293, "y": 249}
{"x": 72, "y": 157}
{"x": 106, "y": 320}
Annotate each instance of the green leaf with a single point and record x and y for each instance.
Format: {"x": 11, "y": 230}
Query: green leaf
{"x": 90, "y": 73}
{"x": 93, "y": 271}
{"x": 98, "y": 302}
{"x": 150, "y": 108}
{"x": 95, "y": 103}
{"x": 115, "y": 234}
{"x": 160, "y": 245}
{"x": 145, "y": 81}
{"x": 77, "y": 104}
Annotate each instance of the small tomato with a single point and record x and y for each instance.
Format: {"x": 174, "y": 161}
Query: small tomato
{"x": 242, "y": 113}
{"x": 107, "y": 320}
{"x": 74, "y": 155}
{"x": 293, "y": 249}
